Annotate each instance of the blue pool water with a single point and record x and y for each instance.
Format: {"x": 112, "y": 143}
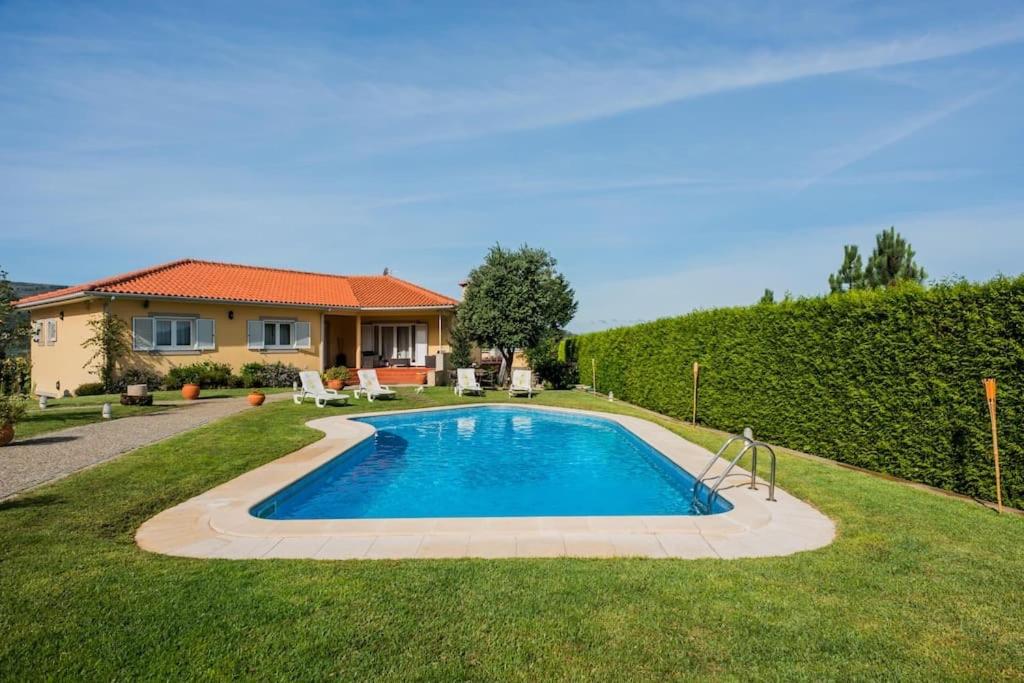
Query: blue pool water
{"x": 490, "y": 462}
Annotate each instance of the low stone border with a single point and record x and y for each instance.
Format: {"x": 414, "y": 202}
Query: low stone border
{"x": 217, "y": 524}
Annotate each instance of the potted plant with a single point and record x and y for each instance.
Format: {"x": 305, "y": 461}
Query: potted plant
{"x": 256, "y": 397}
{"x": 336, "y": 377}
{"x": 12, "y": 410}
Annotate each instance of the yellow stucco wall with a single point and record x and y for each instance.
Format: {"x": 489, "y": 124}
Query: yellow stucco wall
{"x": 231, "y": 334}
{"x": 62, "y": 362}
{"x": 60, "y": 367}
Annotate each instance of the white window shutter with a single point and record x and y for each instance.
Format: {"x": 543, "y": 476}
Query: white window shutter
{"x": 301, "y": 335}
{"x": 142, "y": 334}
{"x": 51, "y": 332}
{"x": 37, "y": 333}
{"x": 255, "y": 335}
{"x": 206, "y": 339}
{"x": 421, "y": 345}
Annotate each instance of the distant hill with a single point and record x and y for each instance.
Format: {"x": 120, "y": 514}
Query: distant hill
{"x": 23, "y": 289}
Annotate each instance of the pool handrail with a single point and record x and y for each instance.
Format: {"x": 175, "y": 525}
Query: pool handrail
{"x": 751, "y": 445}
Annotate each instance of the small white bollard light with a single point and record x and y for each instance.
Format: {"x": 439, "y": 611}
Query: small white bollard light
{"x": 611, "y": 396}
{"x": 42, "y": 403}
{"x": 106, "y": 411}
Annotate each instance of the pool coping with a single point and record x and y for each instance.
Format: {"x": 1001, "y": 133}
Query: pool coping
{"x": 218, "y": 524}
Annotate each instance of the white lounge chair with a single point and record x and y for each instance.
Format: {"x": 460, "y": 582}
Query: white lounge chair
{"x": 313, "y": 387}
{"x": 522, "y": 383}
{"x": 371, "y": 387}
{"x": 466, "y": 382}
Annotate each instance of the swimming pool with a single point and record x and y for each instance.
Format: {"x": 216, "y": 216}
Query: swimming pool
{"x": 490, "y": 461}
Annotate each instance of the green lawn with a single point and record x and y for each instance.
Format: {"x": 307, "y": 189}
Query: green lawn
{"x": 916, "y": 586}
{"x": 38, "y": 422}
{"x": 80, "y": 410}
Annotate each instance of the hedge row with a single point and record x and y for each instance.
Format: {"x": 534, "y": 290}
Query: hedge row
{"x": 886, "y": 380}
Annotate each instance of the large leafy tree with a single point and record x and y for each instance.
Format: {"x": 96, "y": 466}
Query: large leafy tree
{"x": 851, "y": 274}
{"x": 515, "y": 300}
{"x": 13, "y": 327}
{"x": 892, "y": 262}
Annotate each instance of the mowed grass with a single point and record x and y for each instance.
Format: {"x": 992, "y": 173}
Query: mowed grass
{"x": 916, "y": 586}
{"x": 80, "y": 410}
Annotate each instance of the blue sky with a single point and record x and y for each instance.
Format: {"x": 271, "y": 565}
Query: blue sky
{"x": 671, "y": 156}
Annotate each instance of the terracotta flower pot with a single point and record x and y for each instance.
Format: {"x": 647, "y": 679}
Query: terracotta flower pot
{"x": 256, "y": 399}
{"x": 190, "y": 392}
{"x": 6, "y": 434}
{"x": 335, "y": 384}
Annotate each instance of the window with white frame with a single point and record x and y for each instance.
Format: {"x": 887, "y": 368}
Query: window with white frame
{"x": 278, "y": 334}
{"x": 173, "y": 334}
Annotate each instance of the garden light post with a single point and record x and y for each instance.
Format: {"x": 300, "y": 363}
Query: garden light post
{"x": 990, "y": 398}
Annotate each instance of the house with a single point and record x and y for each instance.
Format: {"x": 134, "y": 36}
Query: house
{"x": 187, "y": 311}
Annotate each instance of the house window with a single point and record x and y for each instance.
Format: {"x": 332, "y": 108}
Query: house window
{"x": 278, "y": 335}
{"x": 173, "y": 334}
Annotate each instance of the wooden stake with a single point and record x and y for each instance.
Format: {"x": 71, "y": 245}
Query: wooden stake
{"x": 990, "y": 397}
{"x": 593, "y": 374}
{"x": 696, "y": 375}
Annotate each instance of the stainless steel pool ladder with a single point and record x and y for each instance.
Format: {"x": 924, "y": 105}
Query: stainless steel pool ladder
{"x": 750, "y": 445}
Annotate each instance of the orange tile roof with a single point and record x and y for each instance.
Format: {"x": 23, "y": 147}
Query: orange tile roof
{"x": 194, "y": 279}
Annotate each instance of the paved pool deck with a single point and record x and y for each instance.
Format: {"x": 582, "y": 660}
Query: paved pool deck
{"x": 217, "y": 524}
{"x": 46, "y": 457}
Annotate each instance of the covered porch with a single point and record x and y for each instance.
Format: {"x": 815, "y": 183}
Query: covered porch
{"x": 402, "y": 345}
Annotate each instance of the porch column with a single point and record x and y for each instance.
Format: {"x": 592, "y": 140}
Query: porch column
{"x": 359, "y": 341}
{"x": 323, "y": 342}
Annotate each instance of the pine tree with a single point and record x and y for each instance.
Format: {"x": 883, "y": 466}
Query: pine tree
{"x": 768, "y": 297}
{"x": 892, "y": 262}
{"x": 851, "y": 274}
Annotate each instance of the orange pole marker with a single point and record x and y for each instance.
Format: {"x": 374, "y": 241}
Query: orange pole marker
{"x": 990, "y": 398}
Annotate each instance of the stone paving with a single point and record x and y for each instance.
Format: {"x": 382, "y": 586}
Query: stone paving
{"x": 46, "y": 457}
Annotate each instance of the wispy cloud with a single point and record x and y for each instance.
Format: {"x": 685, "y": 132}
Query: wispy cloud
{"x": 843, "y": 156}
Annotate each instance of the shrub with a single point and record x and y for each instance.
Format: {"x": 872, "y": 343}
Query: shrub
{"x": 91, "y": 389}
{"x": 887, "y": 380}
{"x": 12, "y": 410}
{"x": 139, "y": 375}
{"x": 556, "y": 374}
{"x": 269, "y": 375}
{"x": 15, "y": 375}
{"x": 207, "y": 374}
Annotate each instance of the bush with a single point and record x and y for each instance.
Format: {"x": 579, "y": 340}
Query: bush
{"x": 91, "y": 389}
{"x": 887, "y": 380}
{"x": 139, "y": 375}
{"x": 15, "y": 375}
{"x": 207, "y": 374}
{"x": 556, "y": 374}
{"x": 12, "y": 410}
{"x": 269, "y": 375}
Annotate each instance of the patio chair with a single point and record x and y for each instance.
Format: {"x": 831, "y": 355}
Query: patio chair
{"x": 371, "y": 388}
{"x": 467, "y": 384}
{"x": 522, "y": 383}
{"x": 313, "y": 387}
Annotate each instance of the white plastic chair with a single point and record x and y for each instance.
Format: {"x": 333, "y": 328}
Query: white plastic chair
{"x": 371, "y": 387}
{"x": 522, "y": 383}
{"x": 313, "y": 387}
{"x": 466, "y": 382}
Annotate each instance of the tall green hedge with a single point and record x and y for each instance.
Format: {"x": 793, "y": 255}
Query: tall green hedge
{"x": 886, "y": 380}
